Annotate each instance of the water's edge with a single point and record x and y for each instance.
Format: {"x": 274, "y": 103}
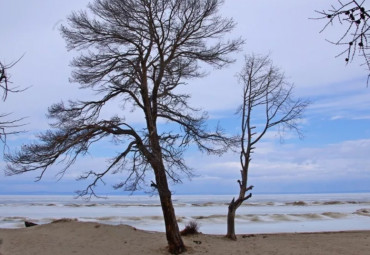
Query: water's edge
{"x": 263, "y": 214}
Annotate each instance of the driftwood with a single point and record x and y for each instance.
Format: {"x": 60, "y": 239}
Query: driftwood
{"x": 29, "y": 224}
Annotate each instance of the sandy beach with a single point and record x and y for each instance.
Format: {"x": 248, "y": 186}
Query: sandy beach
{"x": 88, "y": 238}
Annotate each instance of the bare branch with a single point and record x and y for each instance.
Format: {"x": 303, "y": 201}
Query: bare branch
{"x": 8, "y": 127}
{"x": 5, "y": 79}
{"x": 354, "y": 16}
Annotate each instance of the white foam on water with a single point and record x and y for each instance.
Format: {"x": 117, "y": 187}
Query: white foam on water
{"x": 261, "y": 214}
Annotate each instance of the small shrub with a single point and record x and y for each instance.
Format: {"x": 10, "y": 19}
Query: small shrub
{"x": 191, "y": 228}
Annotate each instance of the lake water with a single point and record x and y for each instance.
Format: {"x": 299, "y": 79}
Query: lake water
{"x": 260, "y": 214}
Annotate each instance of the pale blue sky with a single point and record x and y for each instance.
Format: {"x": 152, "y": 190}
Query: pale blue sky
{"x": 333, "y": 157}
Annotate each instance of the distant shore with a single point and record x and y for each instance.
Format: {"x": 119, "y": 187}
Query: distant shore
{"x": 88, "y": 238}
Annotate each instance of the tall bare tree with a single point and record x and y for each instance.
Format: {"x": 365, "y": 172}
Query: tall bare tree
{"x": 268, "y": 103}
{"x": 139, "y": 52}
{"x": 354, "y": 17}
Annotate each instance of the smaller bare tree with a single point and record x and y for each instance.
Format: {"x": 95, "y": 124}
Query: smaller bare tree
{"x": 267, "y": 103}
{"x": 354, "y": 16}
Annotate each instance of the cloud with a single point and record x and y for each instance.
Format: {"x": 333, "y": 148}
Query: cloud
{"x": 282, "y": 169}
{"x": 337, "y": 117}
{"x": 362, "y": 117}
{"x": 331, "y": 165}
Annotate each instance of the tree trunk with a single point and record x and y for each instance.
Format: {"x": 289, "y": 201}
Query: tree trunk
{"x": 174, "y": 240}
{"x": 175, "y": 243}
{"x": 231, "y": 220}
{"x": 233, "y": 206}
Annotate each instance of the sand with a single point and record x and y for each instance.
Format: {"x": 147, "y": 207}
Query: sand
{"x": 87, "y": 238}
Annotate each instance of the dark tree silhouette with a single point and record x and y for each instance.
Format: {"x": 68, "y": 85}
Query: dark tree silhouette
{"x": 4, "y": 80}
{"x": 138, "y": 52}
{"x": 267, "y": 103}
{"x": 7, "y": 127}
{"x": 354, "y": 17}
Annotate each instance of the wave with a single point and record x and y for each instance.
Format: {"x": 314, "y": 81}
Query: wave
{"x": 179, "y": 204}
{"x": 204, "y": 220}
{"x": 290, "y": 203}
{"x": 243, "y": 217}
{"x": 363, "y": 212}
{"x": 282, "y": 217}
{"x": 11, "y": 219}
{"x": 297, "y": 203}
{"x": 123, "y": 205}
{"x": 215, "y": 216}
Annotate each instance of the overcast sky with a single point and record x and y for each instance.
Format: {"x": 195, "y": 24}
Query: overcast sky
{"x": 332, "y": 157}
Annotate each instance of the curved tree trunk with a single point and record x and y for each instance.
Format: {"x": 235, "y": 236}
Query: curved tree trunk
{"x": 175, "y": 243}
{"x": 174, "y": 240}
{"x": 231, "y": 220}
{"x": 233, "y": 206}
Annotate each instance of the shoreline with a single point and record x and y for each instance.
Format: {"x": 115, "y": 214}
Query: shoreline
{"x": 265, "y": 214}
{"x": 67, "y": 237}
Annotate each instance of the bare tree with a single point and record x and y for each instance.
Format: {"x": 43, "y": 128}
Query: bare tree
{"x": 139, "y": 52}
{"x": 354, "y": 17}
{"x": 267, "y": 103}
{"x": 7, "y": 127}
